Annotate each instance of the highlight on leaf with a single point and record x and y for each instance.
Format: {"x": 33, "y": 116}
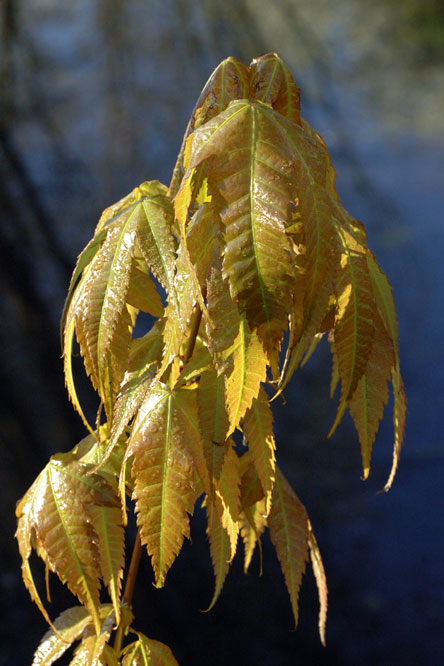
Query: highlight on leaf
{"x": 245, "y": 262}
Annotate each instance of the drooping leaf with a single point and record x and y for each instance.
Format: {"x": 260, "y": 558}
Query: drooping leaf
{"x": 386, "y": 308}
{"x": 258, "y": 431}
{"x": 288, "y": 525}
{"x": 354, "y": 329}
{"x": 253, "y": 522}
{"x": 228, "y": 496}
{"x": 144, "y": 358}
{"x": 102, "y": 315}
{"x": 155, "y": 233}
{"x": 321, "y": 581}
{"x": 164, "y": 484}
{"x": 222, "y": 520}
{"x": 107, "y": 523}
{"x": 147, "y": 652}
{"x": 90, "y": 650}
{"x": 371, "y": 394}
{"x": 64, "y": 533}
{"x": 112, "y": 278}
{"x": 220, "y": 550}
{"x": 249, "y": 366}
{"x": 224, "y": 316}
{"x": 251, "y": 490}
{"x": 70, "y": 625}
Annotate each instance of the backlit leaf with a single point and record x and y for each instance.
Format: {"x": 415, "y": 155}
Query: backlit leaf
{"x": 148, "y": 652}
{"x": 258, "y": 431}
{"x": 371, "y": 394}
{"x": 164, "y": 485}
{"x": 354, "y": 329}
{"x": 273, "y": 84}
{"x": 91, "y": 648}
{"x": 65, "y": 536}
{"x": 288, "y": 525}
{"x": 253, "y": 522}
{"x": 321, "y": 581}
{"x": 70, "y": 625}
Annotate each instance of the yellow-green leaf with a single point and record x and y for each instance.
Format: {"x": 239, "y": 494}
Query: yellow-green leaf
{"x": 354, "y": 329}
{"x": 371, "y": 394}
{"x": 288, "y": 525}
{"x": 258, "y": 431}
{"x": 321, "y": 581}
{"x": 147, "y": 652}
{"x": 248, "y": 369}
{"x": 253, "y": 522}
{"x": 164, "y": 482}
{"x": 386, "y": 307}
{"x": 107, "y": 523}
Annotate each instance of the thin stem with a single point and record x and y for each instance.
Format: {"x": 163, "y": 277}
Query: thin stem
{"x": 129, "y": 590}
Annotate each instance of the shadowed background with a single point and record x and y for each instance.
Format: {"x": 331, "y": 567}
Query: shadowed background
{"x": 95, "y": 97}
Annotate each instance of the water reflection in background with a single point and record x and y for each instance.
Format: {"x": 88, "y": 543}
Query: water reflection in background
{"x": 95, "y": 99}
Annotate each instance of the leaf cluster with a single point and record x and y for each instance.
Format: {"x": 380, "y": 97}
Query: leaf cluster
{"x": 245, "y": 262}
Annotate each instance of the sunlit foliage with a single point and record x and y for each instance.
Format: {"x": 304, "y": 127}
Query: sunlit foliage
{"x": 244, "y": 262}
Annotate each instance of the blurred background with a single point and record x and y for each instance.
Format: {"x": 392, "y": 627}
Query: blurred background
{"x": 95, "y": 97}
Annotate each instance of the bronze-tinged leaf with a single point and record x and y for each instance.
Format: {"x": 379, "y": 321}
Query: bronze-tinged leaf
{"x": 186, "y": 403}
{"x": 155, "y": 233}
{"x": 251, "y": 171}
{"x": 273, "y": 84}
{"x": 367, "y": 403}
{"x": 55, "y": 509}
{"x": 101, "y": 315}
{"x": 91, "y": 648}
{"x": 321, "y": 580}
{"x": 258, "y": 431}
{"x": 83, "y": 261}
{"x": 313, "y": 177}
{"x": 288, "y": 525}
{"x": 178, "y": 313}
{"x": 251, "y": 490}
{"x": 224, "y": 317}
{"x": 213, "y": 421}
{"x": 69, "y": 625}
{"x": 203, "y": 243}
{"x": 229, "y": 81}
{"x": 147, "y": 652}
{"x": 164, "y": 482}
{"x": 354, "y": 329}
